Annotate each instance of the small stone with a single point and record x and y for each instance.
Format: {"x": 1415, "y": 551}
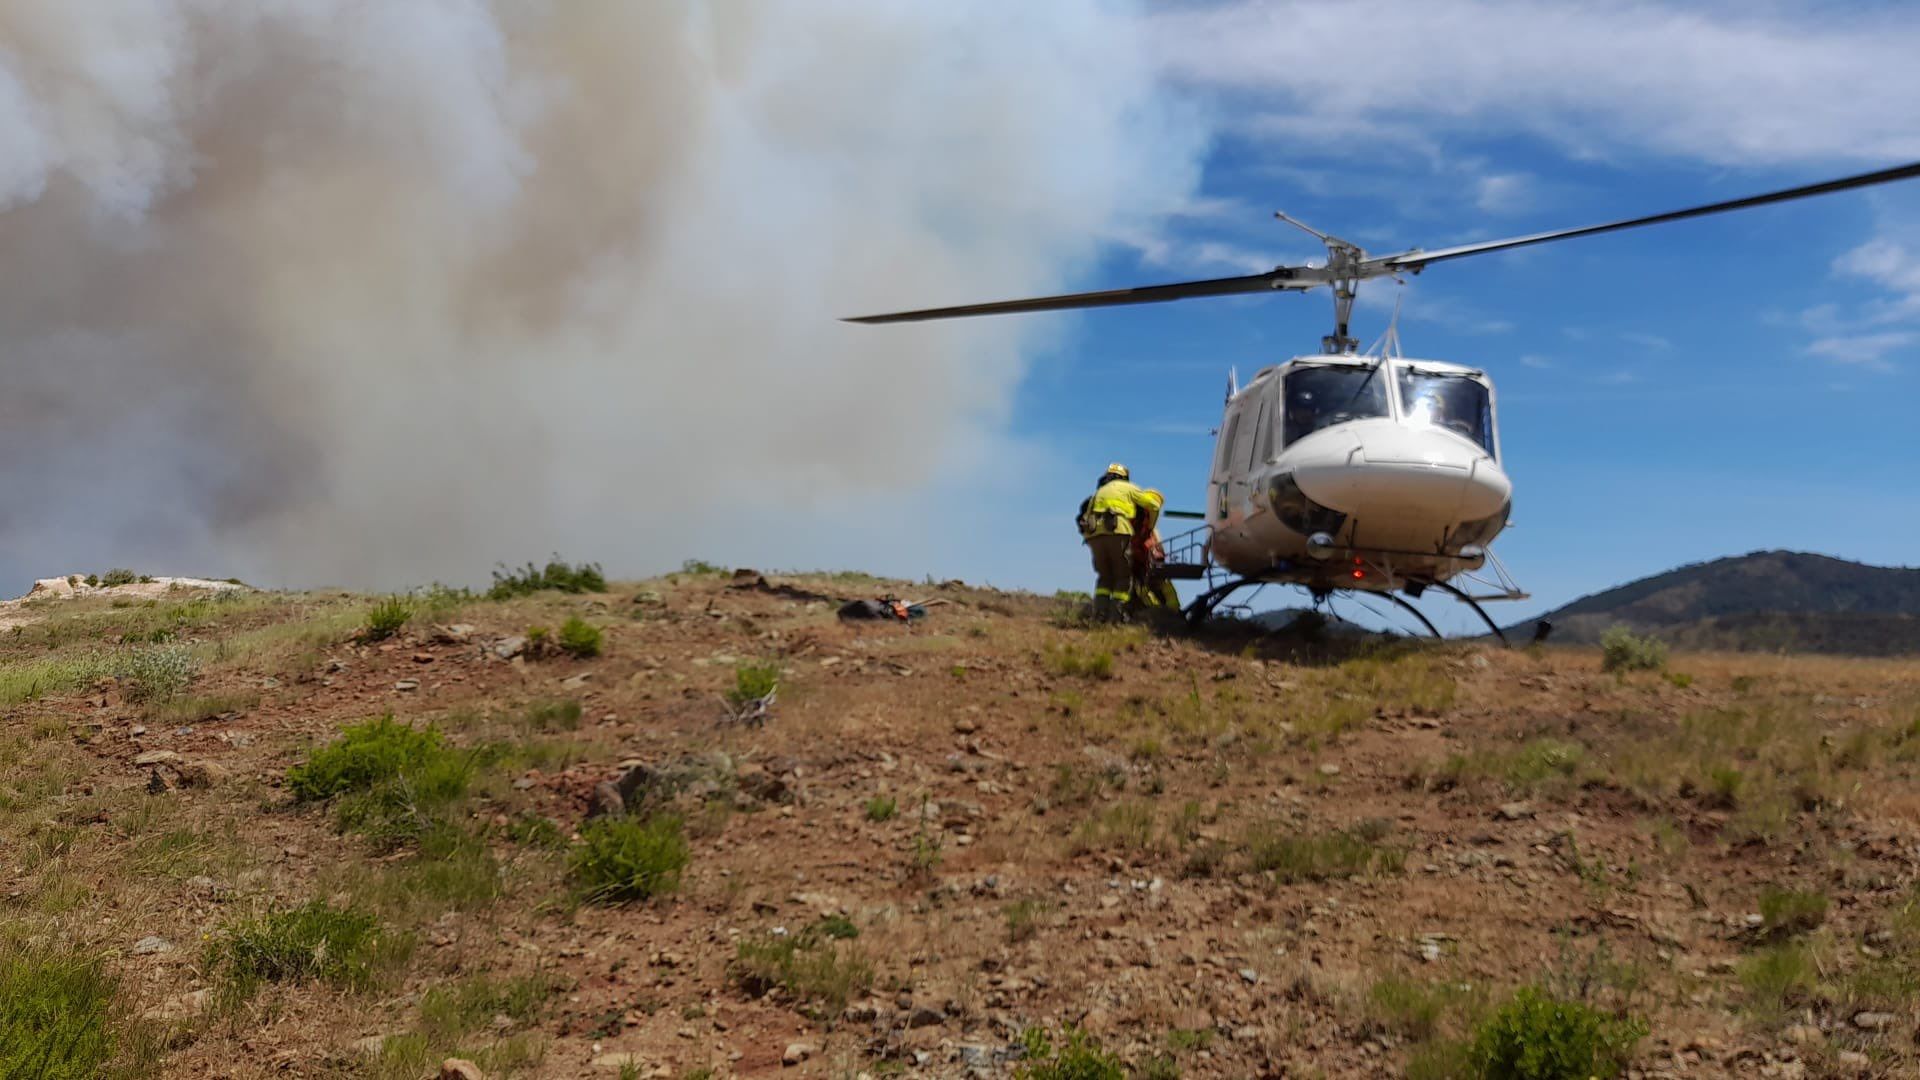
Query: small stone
{"x": 965, "y": 725}
{"x": 924, "y": 1017}
{"x": 1873, "y": 1021}
{"x": 1854, "y": 1059}
{"x": 1328, "y": 768}
{"x": 460, "y": 1069}
{"x": 796, "y": 1053}
{"x": 137, "y": 730}
{"x": 1803, "y": 1034}
{"x": 184, "y": 1007}
{"x": 200, "y": 774}
{"x": 1515, "y": 811}
{"x": 423, "y": 658}
{"x": 757, "y": 783}
{"x": 509, "y": 647}
{"x": 576, "y": 682}
{"x": 147, "y": 946}
{"x": 1249, "y": 975}
{"x": 405, "y": 685}
{"x": 454, "y": 634}
{"x": 156, "y": 757}
{"x": 617, "y": 1060}
{"x": 606, "y": 801}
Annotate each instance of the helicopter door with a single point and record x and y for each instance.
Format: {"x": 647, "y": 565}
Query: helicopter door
{"x": 1233, "y": 479}
{"x": 1223, "y": 462}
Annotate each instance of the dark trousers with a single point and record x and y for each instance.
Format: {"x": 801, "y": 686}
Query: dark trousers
{"x": 1112, "y": 566}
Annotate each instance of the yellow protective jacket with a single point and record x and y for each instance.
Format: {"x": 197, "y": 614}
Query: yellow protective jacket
{"x": 1119, "y": 507}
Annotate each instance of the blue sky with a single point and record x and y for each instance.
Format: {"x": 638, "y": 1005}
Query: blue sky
{"x": 1667, "y": 396}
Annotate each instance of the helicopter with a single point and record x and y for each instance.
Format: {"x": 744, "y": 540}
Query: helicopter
{"x": 1351, "y": 472}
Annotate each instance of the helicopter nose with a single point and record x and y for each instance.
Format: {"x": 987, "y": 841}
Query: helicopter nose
{"x": 1400, "y": 473}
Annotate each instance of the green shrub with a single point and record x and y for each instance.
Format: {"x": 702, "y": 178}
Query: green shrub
{"x": 316, "y": 942}
{"x": 454, "y": 870}
{"x": 556, "y": 576}
{"x": 119, "y": 576}
{"x": 396, "y": 783}
{"x": 1158, "y": 1067}
{"x": 450, "y": 1013}
{"x": 1536, "y": 1036}
{"x": 386, "y": 618}
{"x": 158, "y": 675}
{"x": 363, "y": 755}
{"x": 1778, "y": 978}
{"x": 59, "y": 1017}
{"x": 562, "y": 714}
{"x": 1023, "y": 919}
{"x": 622, "y": 859}
{"x": 882, "y": 808}
{"x": 533, "y": 830}
{"x": 579, "y": 638}
{"x": 1296, "y": 857}
{"x": 809, "y": 967}
{"x": 1068, "y": 658}
{"x": 1078, "y": 1057}
{"x": 1787, "y": 912}
{"x": 1622, "y": 650}
{"x": 751, "y": 682}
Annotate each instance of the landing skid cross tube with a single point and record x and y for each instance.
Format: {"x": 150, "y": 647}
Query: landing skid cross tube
{"x": 1407, "y": 605}
{"x": 1477, "y": 610}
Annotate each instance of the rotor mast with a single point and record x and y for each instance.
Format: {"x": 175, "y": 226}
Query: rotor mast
{"x": 1344, "y": 272}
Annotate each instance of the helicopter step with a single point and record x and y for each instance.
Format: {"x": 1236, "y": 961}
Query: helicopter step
{"x": 1189, "y": 556}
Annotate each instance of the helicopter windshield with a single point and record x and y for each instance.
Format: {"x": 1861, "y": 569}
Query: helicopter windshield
{"x": 1322, "y": 396}
{"x": 1454, "y": 402}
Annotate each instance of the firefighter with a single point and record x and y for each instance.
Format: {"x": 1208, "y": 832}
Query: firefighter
{"x": 1107, "y": 522}
{"x": 1150, "y": 589}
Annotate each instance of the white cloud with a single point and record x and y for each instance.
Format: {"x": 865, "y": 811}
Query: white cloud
{"x": 1504, "y": 193}
{"x": 1864, "y": 350}
{"x": 1647, "y": 341}
{"x": 1535, "y": 360}
{"x": 1730, "y": 84}
{"x": 1893, "y": 266}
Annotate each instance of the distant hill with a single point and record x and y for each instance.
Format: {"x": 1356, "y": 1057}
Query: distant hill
{"x": 1771, "y": 601}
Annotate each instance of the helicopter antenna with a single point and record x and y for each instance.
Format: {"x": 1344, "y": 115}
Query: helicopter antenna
{"x": 1388, "y": 346}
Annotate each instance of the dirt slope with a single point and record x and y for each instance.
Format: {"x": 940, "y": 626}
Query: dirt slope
{"x": 1224, "y": 856}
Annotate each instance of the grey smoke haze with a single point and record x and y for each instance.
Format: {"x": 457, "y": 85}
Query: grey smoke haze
{"x": 373, "y": 293}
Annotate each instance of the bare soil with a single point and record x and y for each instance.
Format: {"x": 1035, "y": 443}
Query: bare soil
{"x": 1073, "y": 840}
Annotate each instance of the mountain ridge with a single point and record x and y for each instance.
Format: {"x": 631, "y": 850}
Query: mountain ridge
{"x": 1771, "y": 600}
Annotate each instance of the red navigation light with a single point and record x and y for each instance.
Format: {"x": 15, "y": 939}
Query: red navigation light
{"x": 1359, "y": 573}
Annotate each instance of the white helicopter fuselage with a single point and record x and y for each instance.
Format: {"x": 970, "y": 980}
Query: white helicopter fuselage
{"x": 1358, "y": 472}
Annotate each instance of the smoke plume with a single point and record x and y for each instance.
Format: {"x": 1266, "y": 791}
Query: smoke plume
{"x": 373, "y": 293}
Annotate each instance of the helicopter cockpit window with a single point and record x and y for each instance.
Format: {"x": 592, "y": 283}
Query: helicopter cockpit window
{"x": 1320, "y": 397}
{"x": 1454, "y": 402}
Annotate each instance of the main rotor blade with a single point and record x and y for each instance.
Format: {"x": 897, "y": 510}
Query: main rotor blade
{"x": 1280, "y": 277}
{"x": 1415, "y": 260}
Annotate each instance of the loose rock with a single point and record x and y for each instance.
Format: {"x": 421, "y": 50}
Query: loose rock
{"x": 460, "y": 1069}
{"x": 797, "y": 1053}
{"x": 1873, "y": 1021}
